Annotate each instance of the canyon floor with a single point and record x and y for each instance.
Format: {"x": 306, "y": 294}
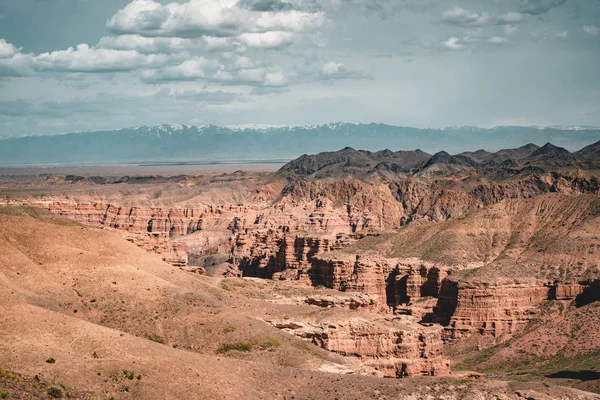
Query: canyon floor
{"x": 345, "y": 275}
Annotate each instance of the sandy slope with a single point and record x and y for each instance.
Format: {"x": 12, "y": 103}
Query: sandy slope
{"x": 50, "y": 267}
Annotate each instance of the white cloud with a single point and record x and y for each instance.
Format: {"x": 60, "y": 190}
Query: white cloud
{"x": 497, "y": 40}
{"x": 269, "y": 40}
{"x": 562, "y": 35}
{"x": 7, "y": 49}
{"x": 591, "y": 30}
{"x": 333, "y": 68}
{"x": 510, "y": 29}
{"x": 460, "y": 16}
{"x": 231, "y": 70}
{"x": 454, "y": 43}
{"x": 197, "y": 18}
{"x": 512, "y": 17}
{"x": 149, "y": 45}
{"x": 334, "y": 71}
{"x": 17, "y": 65}
{"x": 88, "y": 59}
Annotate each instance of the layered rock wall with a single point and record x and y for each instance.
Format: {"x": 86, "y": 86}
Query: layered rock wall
{"x": 495, "y": 311}
{"x": 394, "y": 348}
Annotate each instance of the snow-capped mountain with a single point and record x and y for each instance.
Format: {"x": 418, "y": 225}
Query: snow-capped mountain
{"x": 179, "y": 142}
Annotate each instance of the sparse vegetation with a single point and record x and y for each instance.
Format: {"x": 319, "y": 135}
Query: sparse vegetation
{"x": 56, "y": 392}
{"x": 238, "y": 346}
{"x": 129, "y": 374}
{"x": 51, "y": 360}
{"x": 269, "y": 343}
{"x": 3, "y": 394}
{"x": 155, "y": 338}
{"x": 10, "y": 375}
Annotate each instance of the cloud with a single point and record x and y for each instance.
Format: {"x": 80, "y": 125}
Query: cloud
{"x": 147, "y": 45}
{"x": 591, "y": 30}
{"x": 268, "y": 40}
{"x": 462, "y": 17}
{"x": 497, "y": 40}
{"x": 234, "y": 70}
{"x": 87, "y": 59}
{"x": 7, "y": 49}
{"x": 512, "y": 17}
{"x": 454, "y": 43}
{"x": 12, "y": 62}
{"x": 334, "y": 71}
{"x": 205, "y": 96}
{"x": 197, "y": 18}
{"x": 562, "y": 35}
{"x": 538, "y": 7}
{"x": 79, "y": 59}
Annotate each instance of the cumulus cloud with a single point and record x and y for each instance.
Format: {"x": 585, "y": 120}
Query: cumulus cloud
{"x": 268, "y": 40}
{"x": 233, "y": 71}
{"x": 512, "y": 17}
{"x": 562, "y": 35}
{"x": 538, "y": 7}
{"x": 12, "y": 61}
{"x": 197, "y": 18}
{"x": 462, "y": 17}
{"x": 591, "y": 30}
{"x": 334, "y": 71}
{"x": 454, "y": 43}
{"x": 147, "y": 45}
{"x": 7, "y": 49}
{"x": 84, "y": 58}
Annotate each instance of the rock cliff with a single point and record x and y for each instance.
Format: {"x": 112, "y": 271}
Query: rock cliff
{"x": 388, "y": 347}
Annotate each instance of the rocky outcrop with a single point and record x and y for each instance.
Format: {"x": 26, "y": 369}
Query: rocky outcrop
{"x": 350, "y": 273}
{"x": 275, "y": 254}
{"x": 171, "y": 252}
{"x": 392, "y": 347}
{"x": 495, "y": 311}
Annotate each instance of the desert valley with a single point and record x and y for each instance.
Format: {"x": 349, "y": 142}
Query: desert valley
{"x": 347, "y": 274}
{"x": 299, "y": 199}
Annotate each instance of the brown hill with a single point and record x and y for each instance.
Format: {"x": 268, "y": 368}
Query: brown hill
{"x": 100, "y": 318}
{"x": 548, "y": 236}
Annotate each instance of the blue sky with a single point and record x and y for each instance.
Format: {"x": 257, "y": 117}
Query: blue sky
{"x": 73, "y": 65}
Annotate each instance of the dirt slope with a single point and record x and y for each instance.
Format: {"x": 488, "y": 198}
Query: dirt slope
{"x": 119, "y": 323}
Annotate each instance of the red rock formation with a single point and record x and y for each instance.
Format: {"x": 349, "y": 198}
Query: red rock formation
{"x": 494, "y": 311}
{"x": 393, "y": 347}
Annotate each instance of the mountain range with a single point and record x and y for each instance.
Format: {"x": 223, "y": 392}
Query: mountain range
{"x": 349, "y": 162}
{"x": 185, "y": 143}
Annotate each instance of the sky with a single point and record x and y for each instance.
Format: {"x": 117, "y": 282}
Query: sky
{"x": 83, "y": 65}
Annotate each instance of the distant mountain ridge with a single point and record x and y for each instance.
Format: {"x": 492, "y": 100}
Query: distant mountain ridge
{"x": 361, "y": 164}
{"x": 184, "y": 143}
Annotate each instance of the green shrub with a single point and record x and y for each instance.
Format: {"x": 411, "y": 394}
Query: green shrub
{"x": 129, "y": 374}
{"x": 155, "y": 338}
{"x": 272, "y": 341}
{"x": 56, "y": 392}
{"x": 238, "y": 346}
{"x": 229, "y": 329}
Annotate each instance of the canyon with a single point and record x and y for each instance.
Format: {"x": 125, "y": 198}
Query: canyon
{"x": 433, "y": 252}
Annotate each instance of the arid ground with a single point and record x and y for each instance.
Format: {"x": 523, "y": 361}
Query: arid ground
{"x": 345, "y": 275}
